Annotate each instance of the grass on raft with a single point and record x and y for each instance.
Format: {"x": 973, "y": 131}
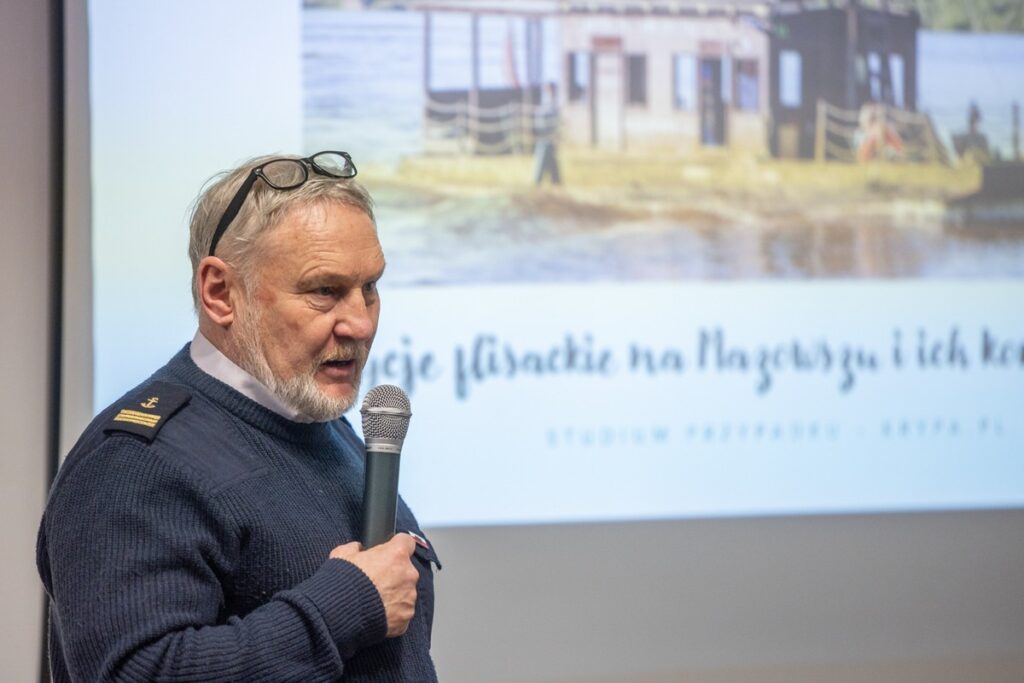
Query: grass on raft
{"x": 683, "y": 177}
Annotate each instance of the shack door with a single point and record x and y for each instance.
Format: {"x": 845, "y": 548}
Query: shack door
{"x": 609, "y": 93}
{"x": 712, "y": 106}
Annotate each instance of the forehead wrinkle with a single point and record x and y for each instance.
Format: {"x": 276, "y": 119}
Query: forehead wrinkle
{"x": 307, "y": 234}
{"x": 350, "y": 265}
{"x": 330, "y": 275}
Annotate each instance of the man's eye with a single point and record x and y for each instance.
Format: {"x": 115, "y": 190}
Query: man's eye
{"x": 370, "y": 287}
{"x": 324, "y": 291}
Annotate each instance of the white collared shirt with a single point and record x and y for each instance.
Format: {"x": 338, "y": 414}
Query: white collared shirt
{"x": 214, "y": 363}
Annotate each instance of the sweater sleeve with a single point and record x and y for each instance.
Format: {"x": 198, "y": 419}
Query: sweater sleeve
{"x": 133, "y": 552}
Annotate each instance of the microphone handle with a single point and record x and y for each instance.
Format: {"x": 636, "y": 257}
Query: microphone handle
{"x": 380, "y": 497}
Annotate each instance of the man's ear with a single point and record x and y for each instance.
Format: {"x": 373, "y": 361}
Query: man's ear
{"x": 217, "y": 280}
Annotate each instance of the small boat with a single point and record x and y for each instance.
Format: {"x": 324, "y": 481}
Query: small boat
{"x": 999, "y": 200}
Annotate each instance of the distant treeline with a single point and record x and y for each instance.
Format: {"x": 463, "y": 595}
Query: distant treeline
{"x": 990, "y": 16}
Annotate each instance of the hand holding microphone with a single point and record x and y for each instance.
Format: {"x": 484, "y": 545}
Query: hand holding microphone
{"x": 390, "y": 569}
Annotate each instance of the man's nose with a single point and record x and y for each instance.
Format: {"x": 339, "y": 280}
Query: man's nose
{"x": 354, "y": 317}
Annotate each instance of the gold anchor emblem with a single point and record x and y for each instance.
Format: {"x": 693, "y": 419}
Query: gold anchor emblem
{"x": 151, "y": 402}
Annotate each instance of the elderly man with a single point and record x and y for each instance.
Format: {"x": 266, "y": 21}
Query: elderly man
{"x": 203, "y": 526}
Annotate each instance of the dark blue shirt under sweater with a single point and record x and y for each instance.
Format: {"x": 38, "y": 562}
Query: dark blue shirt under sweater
{"x": 202, "y": 555}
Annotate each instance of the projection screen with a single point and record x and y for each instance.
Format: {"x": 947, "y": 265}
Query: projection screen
{"x": 727, "y": 259}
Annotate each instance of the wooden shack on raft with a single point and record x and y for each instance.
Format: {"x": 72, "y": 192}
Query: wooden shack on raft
{"x": 790, "y": 78}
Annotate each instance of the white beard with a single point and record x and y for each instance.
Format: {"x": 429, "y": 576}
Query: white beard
{"x": 301, "y": 392}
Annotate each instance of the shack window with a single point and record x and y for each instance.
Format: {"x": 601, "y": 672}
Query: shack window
{"x": 578, "y": 75}
{"x": 790, "y": 78}
{"x": 875, "y": 77}
{"x": 636, "y": 85}
{"x": 896, "y": 71}
{"x": 746, "y": 85}
{"x": 684, "y": 82}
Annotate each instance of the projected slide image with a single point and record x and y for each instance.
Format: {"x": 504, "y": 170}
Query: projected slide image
{"x": 533, "y": 141}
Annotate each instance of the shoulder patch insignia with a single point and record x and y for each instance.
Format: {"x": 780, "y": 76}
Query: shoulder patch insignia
{"x": 147, "y": 410}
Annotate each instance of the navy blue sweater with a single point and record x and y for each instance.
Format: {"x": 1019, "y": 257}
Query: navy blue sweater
{"x": 196, "y": 550}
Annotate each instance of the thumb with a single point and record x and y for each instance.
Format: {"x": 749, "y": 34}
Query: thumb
{"x": 347, "y": 551}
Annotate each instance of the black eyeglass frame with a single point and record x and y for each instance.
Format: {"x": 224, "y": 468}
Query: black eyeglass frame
{"x": 305, "y": 164}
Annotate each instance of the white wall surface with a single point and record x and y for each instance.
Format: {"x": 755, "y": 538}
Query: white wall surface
{"x": 26, "y": 217}
{"x": 911, "y": 598}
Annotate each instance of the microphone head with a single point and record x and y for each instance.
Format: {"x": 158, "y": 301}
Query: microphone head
{"x": 386, "y": 412}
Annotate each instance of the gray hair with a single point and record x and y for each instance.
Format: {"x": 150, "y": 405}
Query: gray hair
{"x": 262, "y": 211}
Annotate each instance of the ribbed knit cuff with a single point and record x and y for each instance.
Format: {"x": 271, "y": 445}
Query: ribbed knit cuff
{"x": 349, "y": 604}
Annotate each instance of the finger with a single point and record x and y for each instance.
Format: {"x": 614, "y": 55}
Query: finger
{"x": 405, "y": 542}
{"x": 347, "y": 551}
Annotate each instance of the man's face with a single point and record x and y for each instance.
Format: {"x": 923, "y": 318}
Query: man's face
{"x": 306, "y": 324}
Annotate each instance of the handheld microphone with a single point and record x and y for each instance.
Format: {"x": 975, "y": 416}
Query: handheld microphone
{"x": 386, "y": 414}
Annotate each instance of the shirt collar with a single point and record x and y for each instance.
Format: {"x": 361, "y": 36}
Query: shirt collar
{"x": 210, "y": 360}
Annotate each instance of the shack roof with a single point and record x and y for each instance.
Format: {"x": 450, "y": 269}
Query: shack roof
{"x": 564, "y": 7}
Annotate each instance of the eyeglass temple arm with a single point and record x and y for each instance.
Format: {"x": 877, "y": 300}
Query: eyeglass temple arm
{"x": 233, "y": 208}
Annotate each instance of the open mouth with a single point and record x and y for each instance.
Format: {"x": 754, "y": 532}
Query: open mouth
{"x": 340, "y": 370}
{"x": 342, "y": 364}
